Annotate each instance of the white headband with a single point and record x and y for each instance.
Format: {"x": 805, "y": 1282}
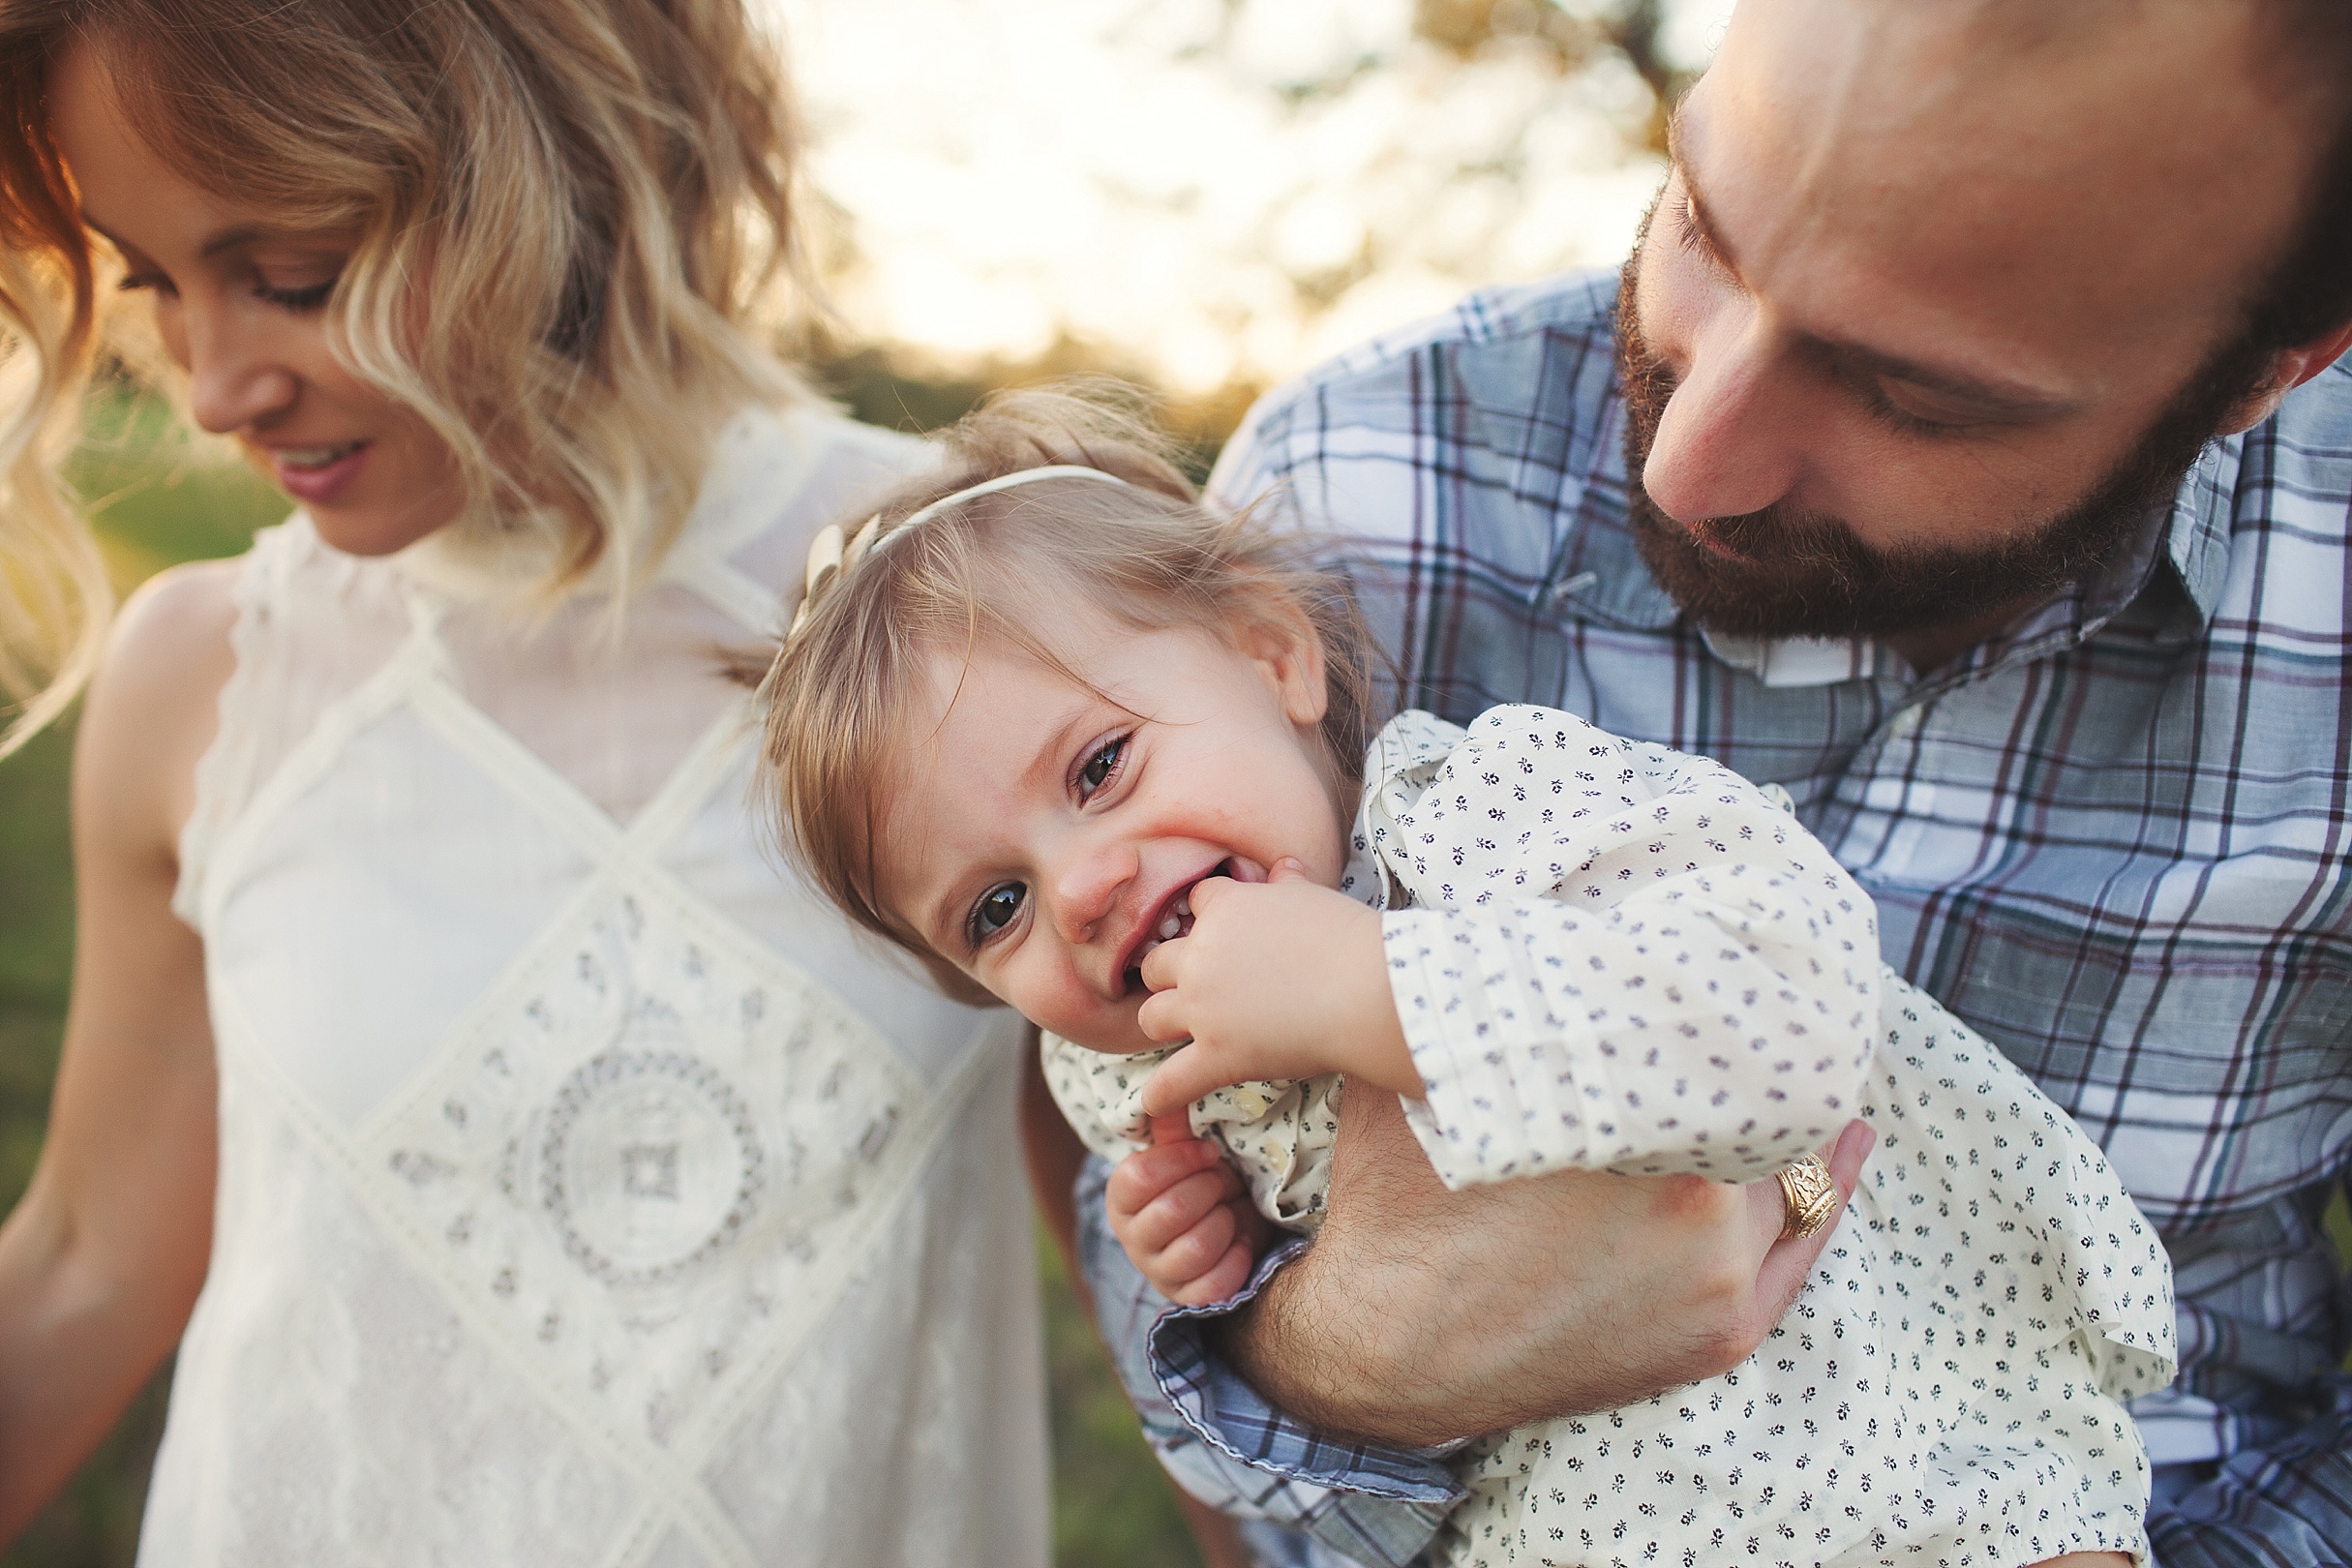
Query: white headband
{"x": 831, "y": 554}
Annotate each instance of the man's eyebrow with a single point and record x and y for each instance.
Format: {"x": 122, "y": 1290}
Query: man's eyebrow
{"x": 1694, "y": 209}
{"x": 2008, "y": 400}
{"x": 1993, "y": 396}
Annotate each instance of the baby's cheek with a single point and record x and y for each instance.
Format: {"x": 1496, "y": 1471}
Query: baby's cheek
{"x": 1064, "y": 1004}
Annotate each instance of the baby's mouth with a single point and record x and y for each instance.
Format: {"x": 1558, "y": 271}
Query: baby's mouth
{"x": 1175, "y": 921}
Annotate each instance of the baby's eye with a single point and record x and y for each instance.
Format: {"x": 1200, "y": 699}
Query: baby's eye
{"x": 1100, "y": 767}
{"x": 999, "y": 907}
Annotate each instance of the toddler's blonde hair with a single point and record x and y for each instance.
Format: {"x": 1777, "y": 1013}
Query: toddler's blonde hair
{"x": 999, "y": 568}
{"x": 565, "y": 211}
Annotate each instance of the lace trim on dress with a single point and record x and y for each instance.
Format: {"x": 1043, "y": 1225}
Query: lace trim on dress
{"x": 223, "y": 774}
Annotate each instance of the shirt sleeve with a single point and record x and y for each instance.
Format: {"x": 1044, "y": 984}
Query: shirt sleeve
{"x": 1620, "y": 958}
{"x": 1227, "y": 1447}
{"x": 2287, "y": 1505}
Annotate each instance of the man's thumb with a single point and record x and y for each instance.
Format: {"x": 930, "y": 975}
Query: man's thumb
{"x": 1289, "y": 868}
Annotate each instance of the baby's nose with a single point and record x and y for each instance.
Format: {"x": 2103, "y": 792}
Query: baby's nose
{"x": 1086, "y": 890}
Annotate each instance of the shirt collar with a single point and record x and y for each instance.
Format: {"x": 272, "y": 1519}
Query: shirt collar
{"x": 2203, "y": 510}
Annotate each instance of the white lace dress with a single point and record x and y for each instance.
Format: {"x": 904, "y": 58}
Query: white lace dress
{"x": 589, "y": 1195}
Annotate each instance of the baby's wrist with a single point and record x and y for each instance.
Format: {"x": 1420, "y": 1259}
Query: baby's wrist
{"x": 1373, "y": 1043}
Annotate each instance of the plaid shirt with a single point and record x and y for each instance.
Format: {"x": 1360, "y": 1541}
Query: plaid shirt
{"x": 2114, "y": 838}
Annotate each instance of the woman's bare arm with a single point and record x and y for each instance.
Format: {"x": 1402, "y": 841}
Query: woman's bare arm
{"x": 102, "y": 1260}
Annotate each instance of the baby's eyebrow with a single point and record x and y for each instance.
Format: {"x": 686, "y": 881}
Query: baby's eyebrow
{"x": 943, "y": 922}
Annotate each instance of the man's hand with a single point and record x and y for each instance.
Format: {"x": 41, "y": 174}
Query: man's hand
{"x": 1281, "y": 979}
{"x": 1184, "y": 1218}
{"x": 1422, "y": 1314}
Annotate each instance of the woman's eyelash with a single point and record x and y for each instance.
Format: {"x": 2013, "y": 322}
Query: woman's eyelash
{"x": 308, "y": 297}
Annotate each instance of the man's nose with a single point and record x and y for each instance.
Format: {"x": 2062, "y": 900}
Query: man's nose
{"x": 1085, "y": 887}
{"x": 1727, "y": 443}
{"x": 233, "y": 379}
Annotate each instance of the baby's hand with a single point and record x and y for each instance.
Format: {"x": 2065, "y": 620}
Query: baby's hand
{"x": 1281, "y": 979}
{"x": 1184, "y": 1216}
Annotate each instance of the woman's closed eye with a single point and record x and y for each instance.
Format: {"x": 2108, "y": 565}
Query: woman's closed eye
{"x": 997, "y": 908}
{"x": 301, "y": 300}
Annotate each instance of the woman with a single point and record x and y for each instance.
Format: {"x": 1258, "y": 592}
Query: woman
{"x": 559, "y": 1186}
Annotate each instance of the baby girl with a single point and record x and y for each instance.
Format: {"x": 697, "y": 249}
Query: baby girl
{"x": 1083, "y": 747}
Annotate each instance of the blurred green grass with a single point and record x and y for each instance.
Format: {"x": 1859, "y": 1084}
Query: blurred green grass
{"x": 158, "y": 501}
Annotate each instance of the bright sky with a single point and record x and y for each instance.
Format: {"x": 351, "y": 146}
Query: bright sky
{"x": 1214, "y": 190}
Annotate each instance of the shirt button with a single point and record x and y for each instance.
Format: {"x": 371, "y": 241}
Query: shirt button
{"x": 1904, "y": 725}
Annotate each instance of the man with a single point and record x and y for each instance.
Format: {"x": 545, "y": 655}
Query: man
{"x": 1965, "y": 451}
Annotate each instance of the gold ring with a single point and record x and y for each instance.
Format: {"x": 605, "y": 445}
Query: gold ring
{"x": 1810, "y": 1192}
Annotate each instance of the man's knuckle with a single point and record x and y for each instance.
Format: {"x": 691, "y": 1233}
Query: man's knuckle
{"x": 1723, "y": 1345}
{"x": 1691, "y": 1200}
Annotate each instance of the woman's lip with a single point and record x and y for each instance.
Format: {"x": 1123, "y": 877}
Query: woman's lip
{"x": 319, "y": 486}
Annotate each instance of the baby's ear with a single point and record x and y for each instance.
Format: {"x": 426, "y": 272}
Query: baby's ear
{"x": 1277, "y": 636}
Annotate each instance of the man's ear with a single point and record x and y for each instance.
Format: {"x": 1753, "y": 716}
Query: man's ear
{"x": 2290, "y": 370}
{"x": 1283, "y": 644}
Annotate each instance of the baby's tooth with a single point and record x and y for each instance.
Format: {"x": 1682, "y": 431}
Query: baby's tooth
{"x": 1170, "y": 926}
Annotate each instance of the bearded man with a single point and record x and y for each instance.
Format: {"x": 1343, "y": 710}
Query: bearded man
{"x": 1966, "y": 450}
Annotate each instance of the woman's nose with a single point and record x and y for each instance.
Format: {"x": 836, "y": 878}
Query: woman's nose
{"x": 1085, "y": 887}
{"x": 233, "y": 378}
{"x": 1726, "y": 445}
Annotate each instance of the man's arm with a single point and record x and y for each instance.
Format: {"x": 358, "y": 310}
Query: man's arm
{"x": 1422, "y": 1316}
{"x": 2285, "y": 1506}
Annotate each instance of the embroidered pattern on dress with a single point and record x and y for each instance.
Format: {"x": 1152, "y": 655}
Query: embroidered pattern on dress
{"x": 586, "y": 1169}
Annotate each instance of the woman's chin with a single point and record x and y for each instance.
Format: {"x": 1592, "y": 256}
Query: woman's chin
{"x": 358, "y": 528}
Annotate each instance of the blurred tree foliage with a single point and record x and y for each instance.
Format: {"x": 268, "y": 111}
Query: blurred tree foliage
{"x": 1574, "y": 36}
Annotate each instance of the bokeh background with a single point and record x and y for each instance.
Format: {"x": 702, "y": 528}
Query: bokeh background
{"x": 1200, "y": 195}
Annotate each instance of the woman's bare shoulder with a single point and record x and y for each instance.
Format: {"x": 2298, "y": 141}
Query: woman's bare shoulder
{"x": 171, "y": 641}
{"x": 154, "y": 706}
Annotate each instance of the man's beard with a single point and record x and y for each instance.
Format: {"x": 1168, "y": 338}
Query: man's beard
{"x": 1809, "y": 575}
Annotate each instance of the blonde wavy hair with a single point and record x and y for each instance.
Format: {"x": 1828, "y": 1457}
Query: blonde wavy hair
{"x": 595, "y": 192}
{"x": 995, "y": 569}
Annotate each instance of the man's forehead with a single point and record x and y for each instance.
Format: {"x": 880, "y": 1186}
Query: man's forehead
{"x": 2114, "y": 171}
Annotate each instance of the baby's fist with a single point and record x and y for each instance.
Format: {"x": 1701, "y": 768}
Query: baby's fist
{"x": 1184, "y": 1216}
